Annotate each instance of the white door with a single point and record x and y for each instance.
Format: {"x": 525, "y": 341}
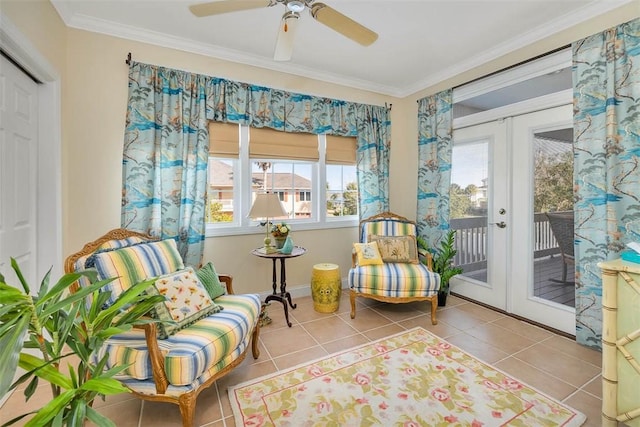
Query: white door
{"x": 479, "y": 211}
{"x": 542, "y": 180}
{"x": 18, "y": 169}
{"x": 510, "y": 258}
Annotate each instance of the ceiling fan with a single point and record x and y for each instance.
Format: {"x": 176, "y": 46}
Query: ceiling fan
{"x": 284, "y": 44}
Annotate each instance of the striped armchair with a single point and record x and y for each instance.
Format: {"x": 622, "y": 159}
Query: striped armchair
{"x": 175, "y": 368}
{"x": 399, "y": 278}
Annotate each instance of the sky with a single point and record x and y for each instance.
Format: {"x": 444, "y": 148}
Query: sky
{"x": 470, "y": 163}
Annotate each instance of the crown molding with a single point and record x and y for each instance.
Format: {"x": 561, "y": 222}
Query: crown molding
{"x": 592, "y": 10}
{"x": 88, "y": 23}
{"x": 110, "y": 28}
{"x": 20, "y": 49}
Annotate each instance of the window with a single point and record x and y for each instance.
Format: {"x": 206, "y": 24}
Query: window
{"x": 314, "y": 177}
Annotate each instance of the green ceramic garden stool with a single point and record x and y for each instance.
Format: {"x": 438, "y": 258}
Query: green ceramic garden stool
{"x": 326, "y": 287}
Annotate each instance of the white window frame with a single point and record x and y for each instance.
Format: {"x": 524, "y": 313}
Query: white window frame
{"x": 242, "y": 197}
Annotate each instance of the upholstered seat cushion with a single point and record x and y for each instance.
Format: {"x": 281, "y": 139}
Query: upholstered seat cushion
{"x": 398, "y": 280}
{"x": 194, "y": 350}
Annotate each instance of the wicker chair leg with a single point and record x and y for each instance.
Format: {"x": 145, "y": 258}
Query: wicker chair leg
{"x": 187, "y": 404}
{"x": 352, "y": 298}
{"x": 564, "y": 271}
{"x": 434, "y": 307}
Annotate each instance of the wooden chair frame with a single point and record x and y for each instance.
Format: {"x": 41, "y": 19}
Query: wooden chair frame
{"x": 395, "y": 300}
{"x": 185, "y": 401}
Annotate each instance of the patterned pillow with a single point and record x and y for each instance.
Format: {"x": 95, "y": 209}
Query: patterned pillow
{"x": 397, "y": 248}
{"x": 136, "y": 263}
{"x": 368, "y": 253}
{"x": 81, "y": 263}
{"x": 209, "y": 278}
{"x": 186, "y": 301}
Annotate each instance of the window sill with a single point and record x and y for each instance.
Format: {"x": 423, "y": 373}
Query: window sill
{"x": 213, "y": 231}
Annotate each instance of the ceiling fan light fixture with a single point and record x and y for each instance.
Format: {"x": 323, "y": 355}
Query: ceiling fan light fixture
{"x": 296, "y": 6}
{"x": 287, "y": 17}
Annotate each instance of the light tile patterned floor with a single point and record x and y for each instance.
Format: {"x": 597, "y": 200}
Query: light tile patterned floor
{"x": 551, "y": 363}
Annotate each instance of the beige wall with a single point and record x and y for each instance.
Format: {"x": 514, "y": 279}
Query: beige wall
{"x": 94, "y": 96}
{"x": 405, "y": 182}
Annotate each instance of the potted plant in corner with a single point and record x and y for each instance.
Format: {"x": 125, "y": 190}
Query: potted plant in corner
{"x": 443, "y": 263}
{"x": 65, "y": 331}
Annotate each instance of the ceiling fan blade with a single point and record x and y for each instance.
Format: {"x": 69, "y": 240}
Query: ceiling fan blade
{"x": 286, "y": 37}
{"x": 343, "y": 24}
{"x": 226, "y": 6}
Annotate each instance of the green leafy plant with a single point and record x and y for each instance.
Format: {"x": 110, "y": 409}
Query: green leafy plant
{"x": 443, "y": 259}
{"x": 66, "y": 330}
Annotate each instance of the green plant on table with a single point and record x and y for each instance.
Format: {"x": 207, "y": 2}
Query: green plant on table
{"x": 66, "y": 330}
{"x": 443, "y": 259}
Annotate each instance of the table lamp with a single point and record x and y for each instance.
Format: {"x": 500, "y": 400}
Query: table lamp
{"x": 267, "y": 205}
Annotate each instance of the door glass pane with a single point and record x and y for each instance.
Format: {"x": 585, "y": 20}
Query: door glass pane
{"x": 468, "y": 206}
{"x": 553, "y": 270}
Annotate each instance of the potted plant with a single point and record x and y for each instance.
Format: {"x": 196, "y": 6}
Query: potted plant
{"x": 443, "y": 263}
{"x": 60, "y": 325}
{"x": 280, "y": 233}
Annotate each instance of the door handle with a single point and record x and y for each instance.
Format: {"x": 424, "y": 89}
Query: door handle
{"x": 500, "y": 224}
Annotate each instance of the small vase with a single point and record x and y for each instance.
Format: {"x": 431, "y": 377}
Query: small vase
{"x": 287, "y": 247}
{"x": 280, "y": 241}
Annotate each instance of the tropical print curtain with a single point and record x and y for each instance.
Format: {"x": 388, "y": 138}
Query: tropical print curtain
{"x": 167, "y": 143}
{"x": 606, "y": 81}
{"x": 165, "y": 157}
{"x": 372, "y": 157}
{"x": 435, "y": 128}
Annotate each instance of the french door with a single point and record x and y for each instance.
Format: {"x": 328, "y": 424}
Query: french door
{"x": 506, "y": 174}
{"x": 479, "y": 211}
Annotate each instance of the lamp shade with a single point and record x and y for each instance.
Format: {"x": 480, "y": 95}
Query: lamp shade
{"x": 266, "y": 205}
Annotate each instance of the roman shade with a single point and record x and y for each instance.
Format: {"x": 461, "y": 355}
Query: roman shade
{"x": 223, "y": 139}
{"x": 266, "y": 143}
{"x": 341, "y": 150}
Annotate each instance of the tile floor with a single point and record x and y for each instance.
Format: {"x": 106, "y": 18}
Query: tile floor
{"x": 551, "y": 363}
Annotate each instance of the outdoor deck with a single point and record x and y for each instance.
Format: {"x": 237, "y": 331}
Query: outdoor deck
{"x": 471, "y": 245}
{"x": 547, "y": 274}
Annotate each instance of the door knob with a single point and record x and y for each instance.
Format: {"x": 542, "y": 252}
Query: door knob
{"x": 500, "y": 224}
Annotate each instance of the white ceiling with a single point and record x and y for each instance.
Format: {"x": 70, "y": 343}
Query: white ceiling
{"x": 420, "y": 43}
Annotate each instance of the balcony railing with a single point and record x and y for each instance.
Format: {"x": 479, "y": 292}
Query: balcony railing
{"x": 471, "y": 241}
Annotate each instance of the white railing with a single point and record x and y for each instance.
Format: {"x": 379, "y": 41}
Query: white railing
{"x": 471, "y": 241}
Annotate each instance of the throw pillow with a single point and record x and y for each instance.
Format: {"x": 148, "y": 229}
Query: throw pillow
{"x": 209, "y": 278}
{"x": 186, "y": 301}
{"x": 397, "y": 248}
{"x": 368, "y": 253}
{"x": 133, "y": 264}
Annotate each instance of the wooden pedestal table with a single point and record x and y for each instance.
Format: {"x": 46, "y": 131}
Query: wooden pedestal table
{"x": 283, "y": 296}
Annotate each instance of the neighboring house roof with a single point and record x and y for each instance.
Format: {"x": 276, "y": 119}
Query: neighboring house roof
{"x": 281, "y": 180}
{"x": 224, "y": 178}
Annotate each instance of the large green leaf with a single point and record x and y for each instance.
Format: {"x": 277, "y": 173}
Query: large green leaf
{"x": 51, "y": 409}
{"x": 98, "y": 419}
{"x": 104, "y": 386}
{"x": 73, "y": 298}
{"x": 44, "y": 370}
{"x": 11, "y": 345}
{"x": 23, "y": 282}
{"x": 78, "y": 413}
{"x": 57, "y": 289}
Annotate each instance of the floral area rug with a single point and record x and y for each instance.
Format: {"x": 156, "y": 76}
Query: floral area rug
{"x": 410, "y": 379}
